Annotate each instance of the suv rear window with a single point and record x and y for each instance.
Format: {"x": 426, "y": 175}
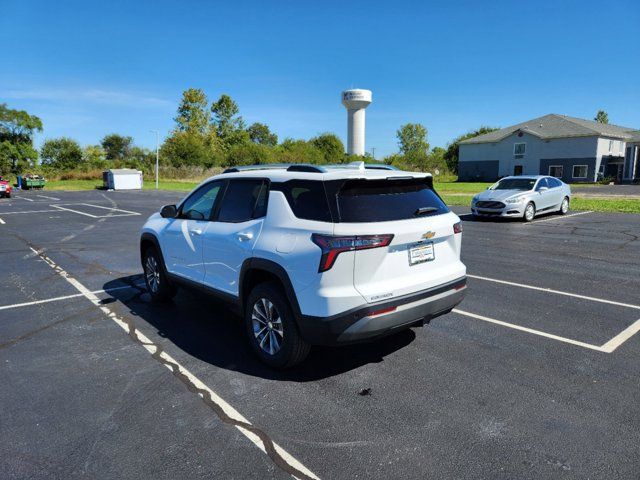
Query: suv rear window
{"x": 307, "y": 199}
{"x": 387, "y": 200}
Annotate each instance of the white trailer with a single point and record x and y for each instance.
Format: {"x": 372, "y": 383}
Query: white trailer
{"x": 122, "y": 179}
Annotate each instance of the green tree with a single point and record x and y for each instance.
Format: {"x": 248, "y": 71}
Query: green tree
{"x": 228, "y": 124}
{"x": 249, "y": 153}
{"x": 17, "y": 128}
{"x": 94, "y": 156}
{"x": 412, "y": 139}
{"x": 141, "y": 157}
{"x": 193, "y": 112}
{"x": 453, "y": 149}
{"x": 436, "y": 160}
{"x": 116, "y": 147}
{"x": 61, "y": 153}
{"x": 182, "y": 148}
{"x": 331, "y": 147}
{"x": 300, "y": 151}
{"x": 260, "y": 133}
{"x": 602, "y": 117}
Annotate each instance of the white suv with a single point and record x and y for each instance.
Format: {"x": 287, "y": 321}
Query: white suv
{"x": 311, "y": 255}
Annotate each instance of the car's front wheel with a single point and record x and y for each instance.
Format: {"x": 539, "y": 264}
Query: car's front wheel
{"x": 155, "y": 277}
{"x": 271, "y": 327}
{"x": 564, "y": 206}
{"x": 529, "y": 212}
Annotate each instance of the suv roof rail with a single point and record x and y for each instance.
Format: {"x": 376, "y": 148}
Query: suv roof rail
{"x": 244, "y": 168}
{"x": 301, "y": 167}
{"x": 306, "y": 168}
{"x": 382, "y": 166}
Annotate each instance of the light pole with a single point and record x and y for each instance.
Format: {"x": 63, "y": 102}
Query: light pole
{"x": 373, "y": 152}
{"x": 157, "y": 155}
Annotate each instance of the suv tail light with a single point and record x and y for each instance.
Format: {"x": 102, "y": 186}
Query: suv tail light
{"x": 332, "y": 246}
{"x": 457, "y": 227}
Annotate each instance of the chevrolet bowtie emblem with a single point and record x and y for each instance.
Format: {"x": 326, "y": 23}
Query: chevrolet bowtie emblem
{"x": 428, "y": 235}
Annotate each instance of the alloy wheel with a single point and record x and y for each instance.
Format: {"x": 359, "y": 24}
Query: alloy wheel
{"x": 565, "y": 206}
{"x": 267, "y": 326}
{"x": 152, "y": 273}
{"x": 529, "y": 212}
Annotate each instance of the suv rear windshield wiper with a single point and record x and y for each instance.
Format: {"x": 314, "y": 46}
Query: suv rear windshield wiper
{"x": 425, "y": 210}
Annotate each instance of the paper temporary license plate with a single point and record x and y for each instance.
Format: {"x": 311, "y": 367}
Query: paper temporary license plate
{"x": 421, "y": 253}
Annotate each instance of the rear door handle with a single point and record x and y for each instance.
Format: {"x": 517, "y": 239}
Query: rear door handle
{"x": 196, "y": 231}
{"x": 243, "y": 237}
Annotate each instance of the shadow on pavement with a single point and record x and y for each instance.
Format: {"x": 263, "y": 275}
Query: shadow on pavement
{"x": 468, "y": 217}
{"x": 208, "y": 330}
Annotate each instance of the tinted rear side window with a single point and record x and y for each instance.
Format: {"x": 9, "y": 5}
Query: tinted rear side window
{"x": 554, "y": 182}
{"x": 243, "y": 200}
{"x": 387, "y": 200}
{"x": 307, "y": 199}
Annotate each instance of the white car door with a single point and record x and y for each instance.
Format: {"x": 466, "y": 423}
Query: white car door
{"x": 181, "y": 240}
{"x": 230, "y": 238}
{"x": 544, "y": 195}
{"x": 555, "y": 191}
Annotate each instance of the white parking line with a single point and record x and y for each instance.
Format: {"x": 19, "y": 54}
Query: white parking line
{"x": 29, "y": 211}
{"x": 24, "y": 198}
{"x": 557, "y": 292}
{"x": 622, "y": 337}
{"x": 63, "y": 206}
{"x": 224, "y": 410}
{"x": 57, "y": 299}
{"x": 110, "y": 208}
{"x": 2, "y": 221}
{"x": 557, "y": 217}
{"x": 49, "y": 198}
{"x": 529, "y": 330}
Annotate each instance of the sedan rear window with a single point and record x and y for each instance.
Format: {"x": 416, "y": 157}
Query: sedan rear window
{"x": 388, "y": 200}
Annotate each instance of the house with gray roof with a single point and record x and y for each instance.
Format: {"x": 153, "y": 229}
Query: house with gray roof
{"x": 569, "y": 148}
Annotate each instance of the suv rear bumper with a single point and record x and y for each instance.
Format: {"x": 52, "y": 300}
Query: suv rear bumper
{"x": 364, "y": 323}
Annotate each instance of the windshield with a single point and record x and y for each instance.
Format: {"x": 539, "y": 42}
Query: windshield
{"x": 515, "y": 184}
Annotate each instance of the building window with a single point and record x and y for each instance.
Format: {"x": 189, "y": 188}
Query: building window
{"x": 556, "y": 171}
{"x": 519, "y": 149}
{"x": 580, "y": 171}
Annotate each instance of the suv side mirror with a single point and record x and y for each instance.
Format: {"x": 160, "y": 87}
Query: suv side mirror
{"x": 169, "y": 211}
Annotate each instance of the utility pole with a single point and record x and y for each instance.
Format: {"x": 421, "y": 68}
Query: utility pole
{"x": 157, "y": 155}
{"x": 373, "y": 152}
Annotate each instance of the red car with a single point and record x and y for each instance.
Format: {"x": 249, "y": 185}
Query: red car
{"x": 5, "y": 188}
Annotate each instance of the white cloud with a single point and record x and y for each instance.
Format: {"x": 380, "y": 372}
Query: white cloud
{"x": 99, "y": 96}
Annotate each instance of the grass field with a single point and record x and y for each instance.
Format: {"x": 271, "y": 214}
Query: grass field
{"x": 453, "y": 193}
{"x": 93, "y": 184}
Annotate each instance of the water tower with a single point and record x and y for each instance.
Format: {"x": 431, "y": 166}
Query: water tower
{"x": 355, "y": 101}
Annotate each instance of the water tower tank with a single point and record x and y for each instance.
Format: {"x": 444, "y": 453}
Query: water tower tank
{"x": 355, "y": 101}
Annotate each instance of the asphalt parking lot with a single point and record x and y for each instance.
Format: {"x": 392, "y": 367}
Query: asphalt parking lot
{"x": 535, "y": 375}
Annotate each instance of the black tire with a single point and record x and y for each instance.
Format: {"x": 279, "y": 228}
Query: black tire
{"x": 292, "y": 349}
{"x": 563, "y": 210}
{"x": 155, "y": 276}
{"x": 526, "y": 216}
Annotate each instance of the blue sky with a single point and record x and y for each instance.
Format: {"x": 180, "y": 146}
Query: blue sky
{"x": 91, "y": 68}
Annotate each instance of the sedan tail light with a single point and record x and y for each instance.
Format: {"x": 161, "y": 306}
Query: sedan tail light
{"x": 457, "y": 227}
{"x": 332, "y": 246}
